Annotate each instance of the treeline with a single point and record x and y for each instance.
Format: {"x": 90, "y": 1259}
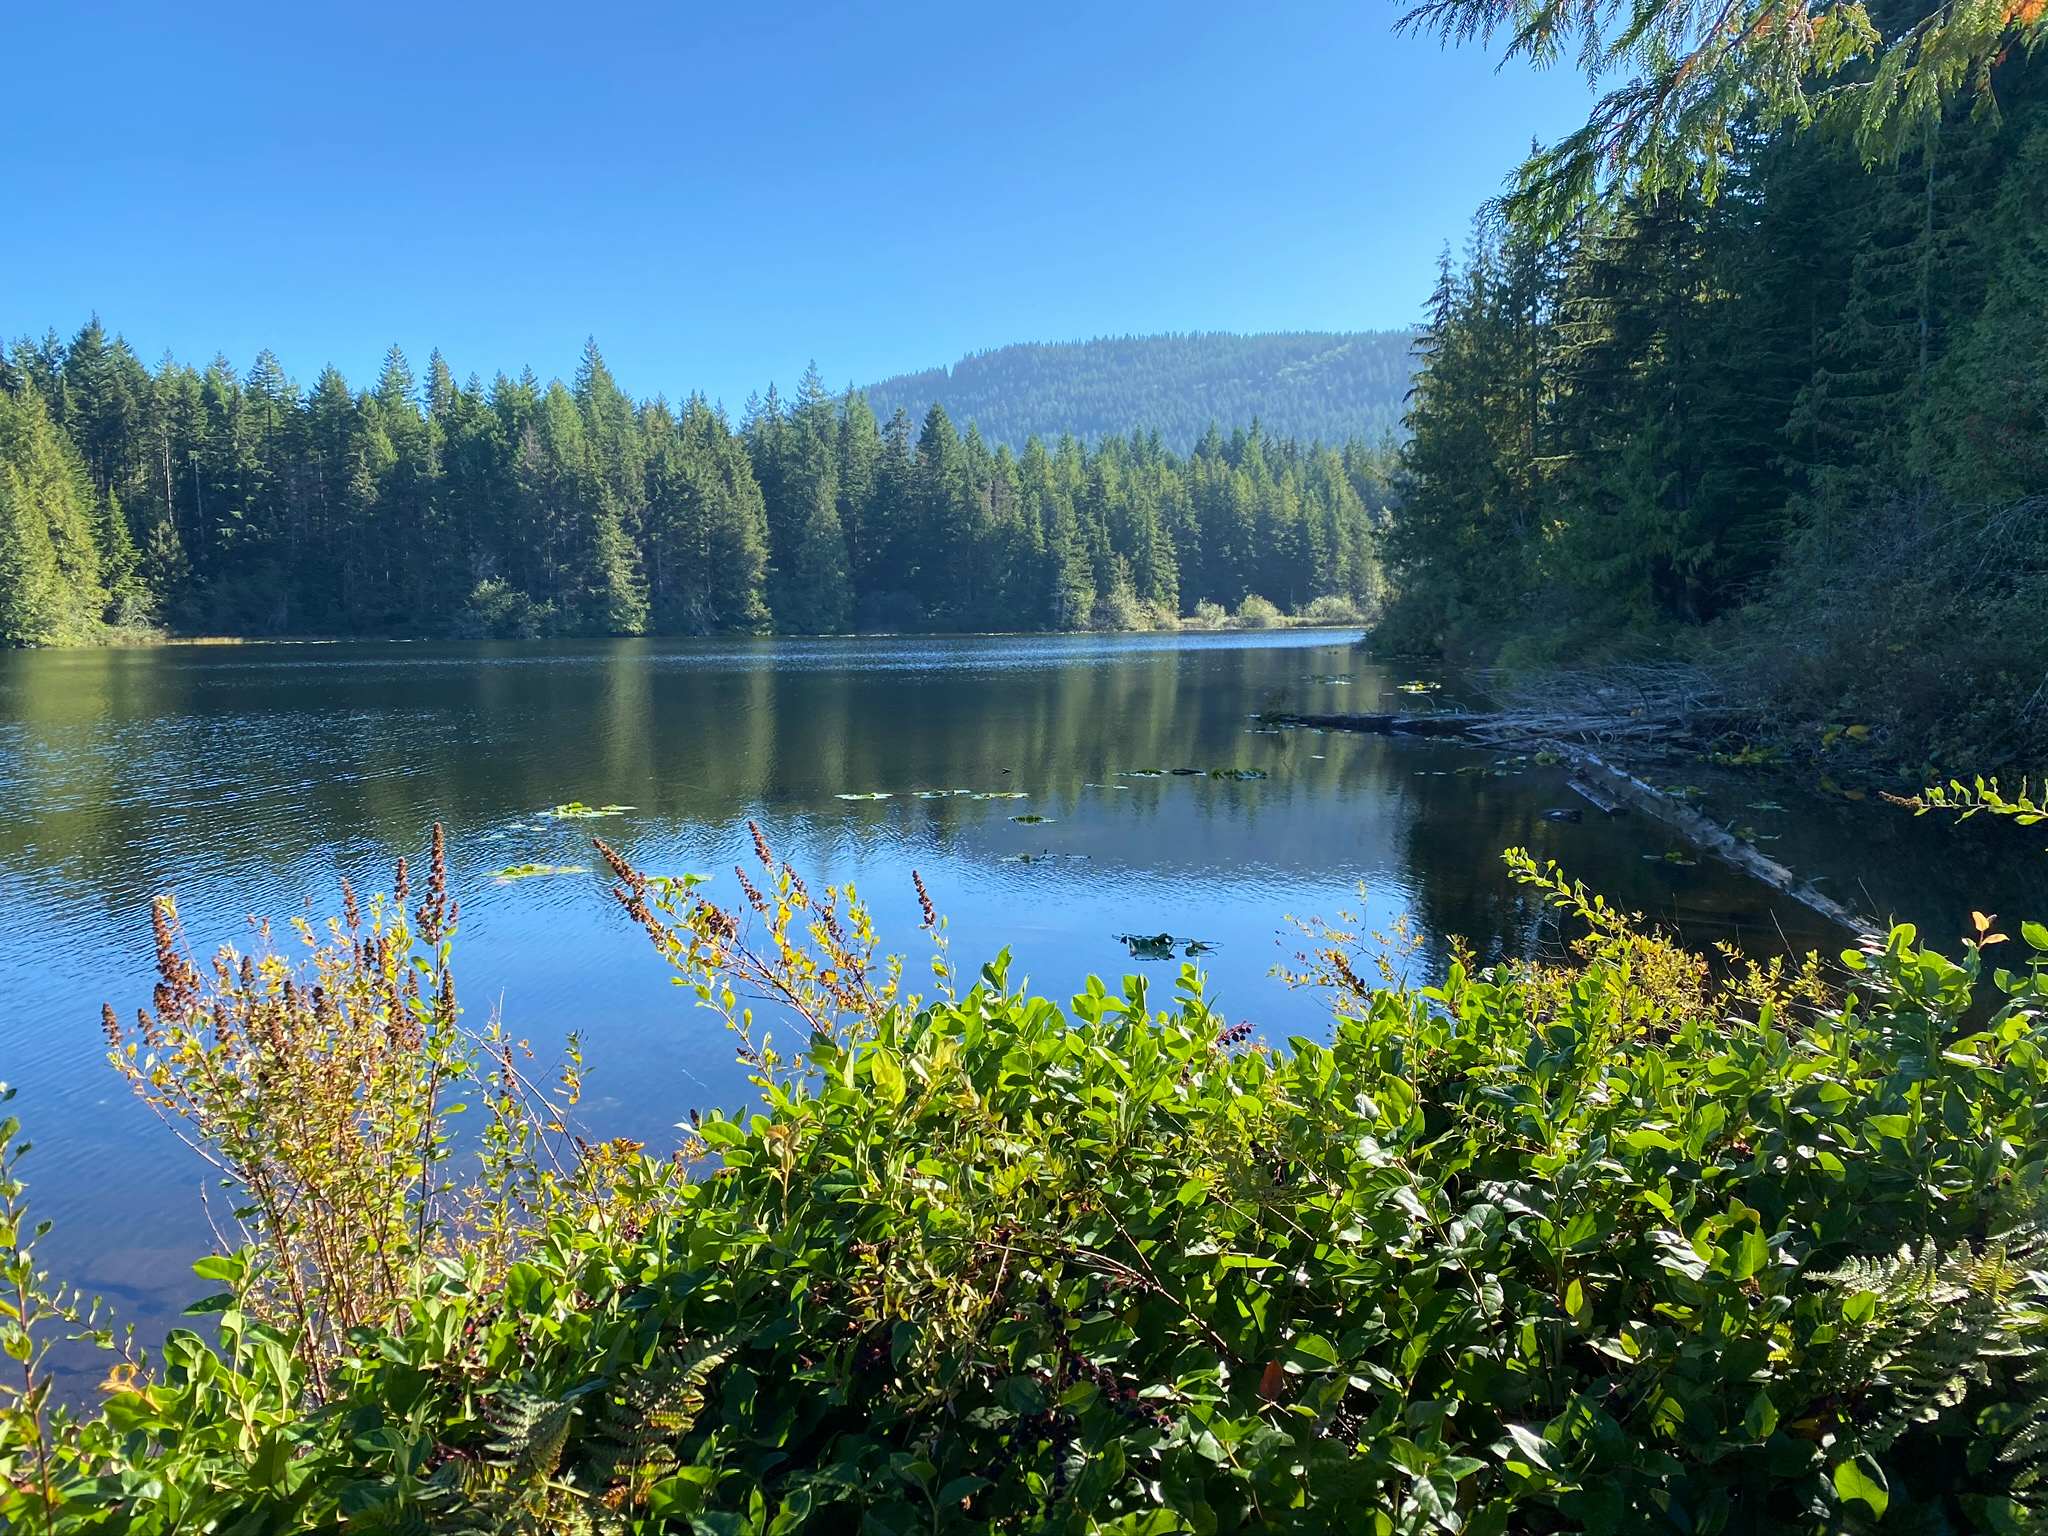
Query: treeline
{"x": 237, "y": 503}
{"x": 1323, "y": 386}
{"x": 1809, "y": 417}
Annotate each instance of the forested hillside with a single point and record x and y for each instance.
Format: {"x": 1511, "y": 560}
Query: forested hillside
{"x": 235, "y": 502}
{"x": 1799, "y": 431}
{"x": 1322, "y": 386}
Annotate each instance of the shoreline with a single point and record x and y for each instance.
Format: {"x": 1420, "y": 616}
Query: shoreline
{"x": 149, "y": 641}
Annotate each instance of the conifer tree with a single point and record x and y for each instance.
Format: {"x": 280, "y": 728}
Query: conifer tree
{"x": 32, "y": 599}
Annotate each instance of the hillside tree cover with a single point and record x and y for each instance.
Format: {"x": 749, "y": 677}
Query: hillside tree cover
{"x": 231, "y": 502}
{"x": 1320, "y": 386}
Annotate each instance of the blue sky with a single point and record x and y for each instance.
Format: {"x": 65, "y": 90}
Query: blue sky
{"x": 719, "y": 195}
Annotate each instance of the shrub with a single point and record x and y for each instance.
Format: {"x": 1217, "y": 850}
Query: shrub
{"x": 1610, "y": 1246}
{"x": 1331, "y": 608}
{"x": 497, "y": 610}
{"x": 1255, "y": 613}
{"x": 1119, "y": 609}
{"x": 1208, "y": 615}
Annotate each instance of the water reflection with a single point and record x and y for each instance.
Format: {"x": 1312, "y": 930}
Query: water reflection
{"x": 245, "y": 779}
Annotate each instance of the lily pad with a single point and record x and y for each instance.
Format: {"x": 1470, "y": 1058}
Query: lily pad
{"x": 576, "y": 810}
{"x": 1001, "y": 794}
{"x": 513, "y": 872}
{"x": 1031, "y": 818}
{"x": 1676, "y": 856}
{"x": 1239, "y": 775}
{"x": 871, "y": 794}
{"x": 1141, "y": 773}
{"x": 1417, "y": 686}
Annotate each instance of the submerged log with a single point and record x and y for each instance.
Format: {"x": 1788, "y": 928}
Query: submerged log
{"x": 1594, "y": 796}
{"x": 1603, "y": 784}
{"x": 1708, "y": 835}
{"x": 1382, "y": 725}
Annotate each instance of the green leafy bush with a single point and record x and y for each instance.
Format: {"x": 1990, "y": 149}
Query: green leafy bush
{"x": 1332, "y": 608}
{"x": 1119, "y": 609}
{"x": 1611, "y": 1245}
{"x": 1255, "y": 612}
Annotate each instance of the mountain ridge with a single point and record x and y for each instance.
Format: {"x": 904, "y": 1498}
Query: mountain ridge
{"x": 1326, "y": 385}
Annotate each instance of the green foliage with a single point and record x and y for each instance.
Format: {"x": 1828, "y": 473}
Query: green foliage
{"x": 1605, "y": 1245}
{"x": 1685, "y": 80}
{"x": 1255, "y": 613}
{"x": 51, "y": 535}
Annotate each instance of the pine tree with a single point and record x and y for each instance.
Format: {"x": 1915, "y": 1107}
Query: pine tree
{"x": 32, "y": 598}
{"x": 51, "y": 508}
{"x": 856, "y": 469}
{"x": 1985, "y": 424}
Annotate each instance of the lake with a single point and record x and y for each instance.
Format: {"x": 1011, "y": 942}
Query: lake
{"x": 245, "y": 779}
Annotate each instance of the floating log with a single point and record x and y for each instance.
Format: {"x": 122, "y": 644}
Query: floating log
{"x": 1382, "y": 725}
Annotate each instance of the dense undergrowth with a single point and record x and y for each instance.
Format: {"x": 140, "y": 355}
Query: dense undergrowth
{"x": 1625, "y": 1243}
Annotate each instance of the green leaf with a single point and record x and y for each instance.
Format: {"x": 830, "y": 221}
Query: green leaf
{"x": 1761, "y": 1417}
{"x": 1861, "y": 1481}
{"x": 2036, "y": 935}
{"x": 1752, "y": 1254}
{"x": 1313, "y": 1347}
{"x": 887, "y": 1073}
{"x": 1535, "y": 1450}
{"x": 228, "y": 1268}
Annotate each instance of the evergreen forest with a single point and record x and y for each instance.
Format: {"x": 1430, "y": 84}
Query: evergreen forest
{"x": 1797, "y": 432}
{"x": 234, "y": 502}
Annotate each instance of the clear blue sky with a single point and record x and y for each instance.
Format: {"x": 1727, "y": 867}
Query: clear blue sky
{"x": 719, "y": 195}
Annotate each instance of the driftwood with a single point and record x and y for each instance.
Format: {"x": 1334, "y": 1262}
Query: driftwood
{"x": 1643, "y": 718}
{"x": 1662, "y": 708}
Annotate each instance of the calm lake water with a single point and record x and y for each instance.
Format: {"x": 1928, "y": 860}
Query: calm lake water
{"x": 245, "y": 779}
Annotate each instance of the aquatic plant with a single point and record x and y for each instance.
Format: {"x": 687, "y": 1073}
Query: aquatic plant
{"x": 513, "y": 872}
{"x": 576, "y": 810}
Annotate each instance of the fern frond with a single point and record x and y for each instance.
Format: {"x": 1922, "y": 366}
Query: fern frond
{"x": 645, "y": 1416}
{"x": 532, "y": 1434}
{"x": 1936, "y": 1325}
